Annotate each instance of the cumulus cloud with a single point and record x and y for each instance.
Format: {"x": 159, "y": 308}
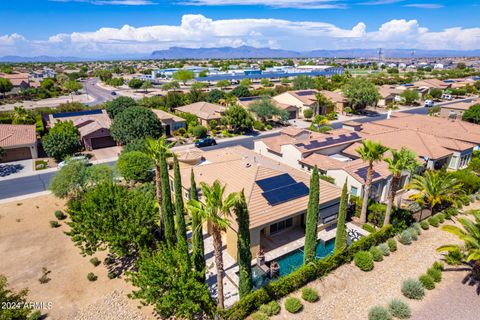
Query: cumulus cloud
{"x": 195, "y": 31}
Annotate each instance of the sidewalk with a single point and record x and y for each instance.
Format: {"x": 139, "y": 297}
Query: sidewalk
{"x": 50, "y": 102}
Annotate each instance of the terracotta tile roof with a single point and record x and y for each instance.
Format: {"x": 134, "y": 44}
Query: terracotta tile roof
{"x": 203, "y": 110}
{"x": 16, "y": 78}
{"x": 460, "y": 105}
{"x": 305, "y": 96}
{"x": 388, "y": 90}
{"x": 163, "y": 116}
{"x": 88, "y": 123}
{"x": 12, "y": 135}
{"x": 322, "y": 162}
{"x": 334, "y": 96}
{"x": 358, "y": 170}
{"x": 432, "y": 83}
{"x": 352, "y": 150}
{"x": 239, "y": 169}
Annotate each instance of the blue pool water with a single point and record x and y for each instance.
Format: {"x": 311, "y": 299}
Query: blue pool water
{"x": 294, "y": 260}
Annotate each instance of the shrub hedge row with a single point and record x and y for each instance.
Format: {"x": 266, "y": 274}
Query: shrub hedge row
{"x": 305, "y": 274}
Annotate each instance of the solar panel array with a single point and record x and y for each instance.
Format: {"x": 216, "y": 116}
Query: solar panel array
{"x": 282, "y": 188}
{"x": 305, "y": 93}
{"x": 77, "y": 113}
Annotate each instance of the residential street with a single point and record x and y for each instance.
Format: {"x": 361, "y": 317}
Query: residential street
{"x": 98, "y": 94}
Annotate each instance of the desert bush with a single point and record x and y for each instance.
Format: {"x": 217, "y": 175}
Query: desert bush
{"x": 60, "y": 215}
{"x": 109, "y": 260}
{"x": 364, "y": 260}
{"x": 310, "y": 295}
{"x": 270, "y": 309}
{"x": 44, "y": 278}
{"x": 427, "y": 281}
{"x": 384, "y": 248}
{"x": 424, "y": 224}
{"x": 413, "y": 289}
{"x": 392, "y": 244}
{"x": 95, "y": 261}
{"x": 441, "y": 217}
{"x": 405, "y": 237}
{"x": 259, "y": 316}
{"x": 416, "y": 227}
{"x": 413, "y": 233}
{"x": 91, "y": 276}
{"x": 454, "y": 257}
{"x": 112, "y": 275}
{"x": 435, "y": 274}
{"x": 399, "y": 309}
{"x": 379, "y": 313}
{"x": 293, "y": 305}
{"x": 438, "y": 265}
{"x": 434, "y": 221}
{"x": 54, "y": 224}
{"x": 368, "y": 227}
{"x": 377, "y": 254}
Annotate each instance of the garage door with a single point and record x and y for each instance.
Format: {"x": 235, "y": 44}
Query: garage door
{"x": 16, "y": 154}
{"x": 103, "y": 142}
{"x": 292, "y": 114}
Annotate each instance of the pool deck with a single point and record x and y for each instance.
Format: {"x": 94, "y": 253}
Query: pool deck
{"x": 324, "y": 235}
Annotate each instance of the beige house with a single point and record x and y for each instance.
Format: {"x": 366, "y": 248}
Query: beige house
{"x": 456, "y": 110}
{"x": 301, "y": 100}
{"x": 432, "y": 83}
{"x": 389, "y": 95}
{"x": 337, "y": 98}
{"x": 274, "y": 210}
{"x": 19, "y": 142}
{"x": 170, "y": 122}
{"x": 205, "y": 111}
{"x": 18, "y": 80}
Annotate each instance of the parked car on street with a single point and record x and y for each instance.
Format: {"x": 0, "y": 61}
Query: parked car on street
{"x": 428, "y": 103}
{"x": 206, "y": 142}
{"x": 446, "y": 96}
{"x": 76, "y": 158}
{"x": 113, "y": 93}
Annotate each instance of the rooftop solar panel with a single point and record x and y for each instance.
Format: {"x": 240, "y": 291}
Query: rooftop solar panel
{"x": 286, "y": 193}
{"x": 306, "y": 93}
{"x": 275, "y": 182}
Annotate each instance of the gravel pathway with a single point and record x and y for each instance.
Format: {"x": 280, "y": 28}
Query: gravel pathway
{"x": 348, "y": 292}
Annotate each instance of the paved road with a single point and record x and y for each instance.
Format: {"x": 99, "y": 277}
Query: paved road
{"x": 99, "y": 94}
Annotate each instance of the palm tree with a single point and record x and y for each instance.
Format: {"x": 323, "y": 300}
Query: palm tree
{"x": 434, "y": 188}
{"x": 403, "y": 160}
{"x": 154, "y": 149}
{"x": 470, "y": 235}
{"x": 370, "y": 152}
{"x": 22, "y": 116}
{"x": 215, "y": 210}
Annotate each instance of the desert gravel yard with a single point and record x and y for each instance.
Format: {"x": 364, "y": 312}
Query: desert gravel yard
{"x": 349, "y": 293}
{"x": 28, "y": 243}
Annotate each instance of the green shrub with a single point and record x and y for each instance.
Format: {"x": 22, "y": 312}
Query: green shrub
{"x": 368, "y": 227}
{"x": 112, "y": 275}
{"x": 405, "y": 237}
{"x": 424, "y": 224}
{"x": 379, "y": 313}
{"x": 384, "y": 248}
{"x": 95, "y": 261}
{"x": 268, "y": 126}
{"x": 450, "y": 212}
{"x": 293, "y": 305}
{"x": 454, "y": 257}
{"x": 364, "y": 260}
{"x": 413, "y": 233}
{"x": 413, "y": 289}
{"x": 36, "y": 315}
{"x": 392, "y": 244}
{"x": 258, "y": 125}
{"x": 416, "y": 227}
{"x": 399, "y": 309}
{"x": 310, "y": 295}
{"x": 377, "y": 254}
{"x": 435, "y": 274}
{"x": 54, "y": 224}
{"x": 270, "y": 309}
{"x": 199, "y": 131}
{"x": 259, "y": 316}
{"x": 433, "y": 221}
{"x": 441, "y": 217}
{"x": 109, "y": 260}
{"x": 427, "y": 281}
{"x": 438, "y": 265}
{"x": 60, "y": 215}
{"x": 91, "y": 276}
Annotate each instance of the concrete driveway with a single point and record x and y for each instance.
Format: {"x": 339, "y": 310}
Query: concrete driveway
{"x": 16, "y": 168}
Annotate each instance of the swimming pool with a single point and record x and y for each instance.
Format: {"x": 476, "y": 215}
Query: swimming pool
{"x": 294, "y": 260}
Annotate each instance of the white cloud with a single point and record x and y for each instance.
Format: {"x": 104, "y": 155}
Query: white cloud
{"x": 299, "y": 4}
{"x": 424, "y": 5}
{"x": 196, "y": 31}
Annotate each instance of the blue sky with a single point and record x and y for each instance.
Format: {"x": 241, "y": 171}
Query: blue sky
{"x": 106, "y": 27}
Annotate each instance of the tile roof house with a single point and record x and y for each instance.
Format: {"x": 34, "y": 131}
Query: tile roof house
{"x": 19, "y": 142}
{"x": 456, "y": 110}
{"x": 205, "y": 111}
{"x": 389, "y": 94}
{"x": 170, "y": 122}
{"x": 292, "y": 110}
{"x": 432, "y": 83}
{"x": 337, "y": 98}
{"x": 301, "y": 99}
{"x": 93, "y": 125}
{"x": 241, "y": 169}
{"x": 18, "y": 80}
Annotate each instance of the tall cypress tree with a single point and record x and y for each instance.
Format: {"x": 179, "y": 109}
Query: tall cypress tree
{"x": 181, "y": 230}
{"x": 198, "y": 251}
{"x": 243, "y": 246}
{"x": 311, "y": 228}
{"x": 341, "y": 237}
{"x": 167, "y": 207}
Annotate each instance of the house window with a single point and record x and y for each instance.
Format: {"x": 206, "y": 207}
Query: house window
{"x": 353, "y": 191}
{"x": 282, "y": 225}
{"x": 187, "y": 195}
{"x": 171, "y": 186}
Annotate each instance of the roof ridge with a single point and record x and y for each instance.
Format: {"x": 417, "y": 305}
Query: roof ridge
{"x": 426, "y": 146}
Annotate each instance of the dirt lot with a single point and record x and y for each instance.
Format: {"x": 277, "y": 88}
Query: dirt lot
{"x": 28, "y": 243}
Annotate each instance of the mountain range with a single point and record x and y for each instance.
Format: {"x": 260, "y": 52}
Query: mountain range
{"x": 253, "y": 52}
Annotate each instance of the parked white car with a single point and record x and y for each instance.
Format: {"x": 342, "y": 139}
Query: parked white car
{"x": 76, "y": 158}
{"x": 447, "y": 96}
{"x": 428, "y": 103}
